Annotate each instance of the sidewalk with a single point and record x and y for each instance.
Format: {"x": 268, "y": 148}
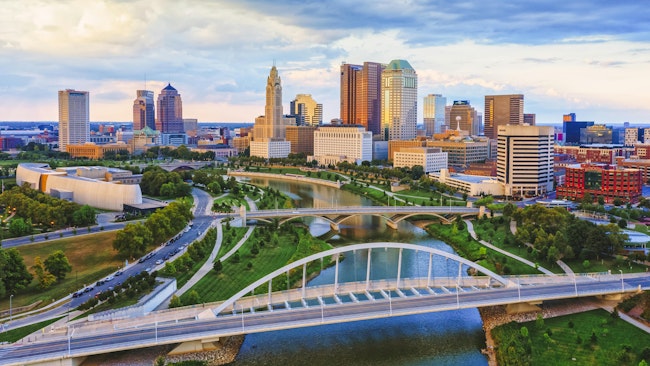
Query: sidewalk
{"x": 470, "y": 228}
{"x": 207, "y": 266}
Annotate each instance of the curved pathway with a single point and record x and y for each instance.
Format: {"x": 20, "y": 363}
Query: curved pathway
{"x": 470, "y": 228}
{"x": 564, "y": 266}
{"x": 238, "y": 245}
{"x": 207, "y": 266}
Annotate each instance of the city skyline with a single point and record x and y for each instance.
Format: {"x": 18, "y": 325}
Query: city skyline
{"x": 584, "y": 58}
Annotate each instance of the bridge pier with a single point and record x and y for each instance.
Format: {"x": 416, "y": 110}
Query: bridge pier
{"x": 242, "y": 214}
{"x": 523, "y": 307}
{"x": 335, "y": 227}
{"x": 202, "y": 345}
{"x": 391, "y": 224}
{"x": 616, "y": 297}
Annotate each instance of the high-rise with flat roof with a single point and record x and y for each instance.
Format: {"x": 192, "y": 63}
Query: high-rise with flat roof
{"x": 170, "y": 111}
{"x": 501, "y": 110}
{"x": 143, "y": 110}
{"x": 360, "y": 95}
{"x": 74, "y": 118}
{"x": 434, "y": 113}
{"x": 399, "y": 101}
{"x": 462, "y": 116}
{"x": 525, "y": 159}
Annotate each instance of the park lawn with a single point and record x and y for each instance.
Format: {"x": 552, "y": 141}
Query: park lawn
{"x": 232, "y": 201}
{"x": 374, "y": 194}
{"x": 91, "y": 257}
{"x": 484, "y": 227}
{"x": 235, "y": 276}
{"x": 183, "y": 277}
{"x": 605, "y": 264}
{"x": 17, "y": 334}
{"x": 611, "y": 335}
{"x": 235, "y": 234}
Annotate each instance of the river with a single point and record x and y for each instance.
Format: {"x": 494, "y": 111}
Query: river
{"x": 447, "y": 338}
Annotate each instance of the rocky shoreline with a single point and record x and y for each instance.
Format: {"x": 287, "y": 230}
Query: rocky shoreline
{"x": 496, "y": 315}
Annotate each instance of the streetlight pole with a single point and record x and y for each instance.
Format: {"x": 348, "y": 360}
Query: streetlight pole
{"x": 519, "y": 288}
{"x": 575, "y": 284}
{"x": 622, "y": 286}
{"x": 242, "y": 317}
{"x": 10, "y": 306}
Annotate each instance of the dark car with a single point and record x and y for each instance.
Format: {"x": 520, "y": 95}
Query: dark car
{"x": 78, "y": 294}
{"x": 118, "y": 273}
{"x": 99, "y": 283}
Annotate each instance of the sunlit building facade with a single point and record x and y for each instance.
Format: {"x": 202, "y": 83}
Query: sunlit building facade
{"x": 501, "y": 110}
{"x": 170, "y": 111}
{"x": 74, "y": 118}
{"x": 399, "y": 93}
{"x": 144, "y": 110}
{"x": 433, "y": 107}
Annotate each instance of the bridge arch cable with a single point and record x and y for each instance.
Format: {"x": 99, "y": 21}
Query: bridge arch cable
{"x": 350, "y": 248}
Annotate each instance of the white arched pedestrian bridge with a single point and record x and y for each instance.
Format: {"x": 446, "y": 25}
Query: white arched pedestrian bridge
{"x": 439, "y": 284}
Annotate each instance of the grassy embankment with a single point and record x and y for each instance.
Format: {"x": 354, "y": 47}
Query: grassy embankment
{"x": 237, "y": 273}
{"x": 331, "y": 176}
{"x": 588, "y": 338}
{"x": 496, "y": 233}
{"x": 91, "y": 257}
{"x": 470, "y": 249}
{"x": 16, "y": 334}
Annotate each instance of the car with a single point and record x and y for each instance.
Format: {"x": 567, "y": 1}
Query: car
{"x": 159, "y": 262}
{"x": 111, "y": 288}
{"x": 77, "y": 294}
{"x": 99, "y": 283}
{"x": 142, "y": 260}
{"x": 148, "y": 269}
{"x": 97, "y": 294}
{"x": 109, "y": 279}
{"x": 89, "y": 288}
{"x": 118, "y": 273}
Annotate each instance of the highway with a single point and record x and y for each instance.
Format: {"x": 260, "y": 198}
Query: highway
{"x": 242, "y": 323}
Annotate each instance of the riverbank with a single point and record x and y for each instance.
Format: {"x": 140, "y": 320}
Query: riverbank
{"x": 496, "y": 315}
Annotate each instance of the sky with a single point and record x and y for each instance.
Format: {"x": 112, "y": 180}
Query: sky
{"x": 587, "y": 57}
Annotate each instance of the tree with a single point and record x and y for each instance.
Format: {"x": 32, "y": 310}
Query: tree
{"x": 20, "y": 227}
{"x": 45, "y": 278}
{"x": 175, "y": 302}
{"x": 84, "y": 216}
{"x": 13, "y": 271}
{"x": 192, "y": 298}
{"x": 622, "y": 223}
{"x": 58, "y": 265}
{"x": 218, "y": 266}
{"x": 133, "y": 240}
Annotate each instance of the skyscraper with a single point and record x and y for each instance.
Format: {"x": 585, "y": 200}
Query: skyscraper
{"x": 74, "y": 118}
{"x": 434, "y": 113}
{"x": 170, "y": 111}
{"x": 462, "y": 116}
{"x": 501, "y": 110}
{"x": 399, "y": 95}
{"x": 360, "y": 91}
{"x": 525, "y": 159}
{"x": 143, "y": 110}
{"x": 269, "y": 131}
{"x": 306, "y": 111}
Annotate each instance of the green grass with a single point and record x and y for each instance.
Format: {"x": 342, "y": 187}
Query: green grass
{"x": 232, "y": 201}
{"x": 235, "y": 276}
{"x": 183, "y": 277}
{"x": 235, "y": 234}
{"x": 563, "y": 346}
{"x": 17, "y": 334}
{"x": 91, "y": 256}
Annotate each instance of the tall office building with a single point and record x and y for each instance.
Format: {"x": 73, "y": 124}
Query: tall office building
{"x": 74, "y": 118}
{"x": 143, "y": 110}
{"x": 463, "y": 117}
{"x": 269, "y": 131}
{"x": 501, "y": 110}
{"x": 170, "y": 111}
{"x": 306, "y": 111}
{"x": 399, "y": 101}
{"x": 360, "y": 95}
{"x": 530, "y": 119}
{"x": 434, "y": 113}
{"x": 525, "y": 159}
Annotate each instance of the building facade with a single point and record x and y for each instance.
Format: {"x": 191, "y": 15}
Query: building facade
{"x": 306, "y": 111}
{"x": 593, "y": 153}
{"x": 525, "y": 160}
{"x": 170, "y": 111}
{"x": 92, "y": 151}
{"x": 144, "y": 110}
{"x": 571, "y": 129}
{"x": 399, "y": 93}
{"x": 596, "y": 134}
{"x": 431, "y": 159}
{"x": 462, "y": 116}
{"x": 360, "y": 95}
{"x": 601, "y": 180}
{"x": 74, "y": 118}
{"x": 463, "y": 151}
{"x": 342, "y": 143}
{"x": 631, "y": 136}
{"x": 433, "y": 108}
{"x": 501, "y": 110}
{"x": 302, "y": 139}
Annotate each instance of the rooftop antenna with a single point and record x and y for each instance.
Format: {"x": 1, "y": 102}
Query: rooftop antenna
{"x": 274, "y": 62}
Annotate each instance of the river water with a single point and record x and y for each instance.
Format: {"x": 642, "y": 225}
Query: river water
{"x": 446, "y": 338}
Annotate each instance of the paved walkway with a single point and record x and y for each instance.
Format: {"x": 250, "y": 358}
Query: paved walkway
{"x": 238, "y": 245}
{"x": 470, "y": 228}
{"x": 207, "y": 266}
{"x": 564, "y": 266}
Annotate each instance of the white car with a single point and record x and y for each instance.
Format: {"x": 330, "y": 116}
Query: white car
{"x": 159, "y": 262}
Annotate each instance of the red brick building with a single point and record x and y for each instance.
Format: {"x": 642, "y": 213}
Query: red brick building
{"x": 601, "y": 180}
{"x": 593, "y": 154}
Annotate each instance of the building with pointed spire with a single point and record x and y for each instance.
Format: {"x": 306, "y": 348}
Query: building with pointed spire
{"x": 170, "y": 111}
{"x": 269, "y": 131}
